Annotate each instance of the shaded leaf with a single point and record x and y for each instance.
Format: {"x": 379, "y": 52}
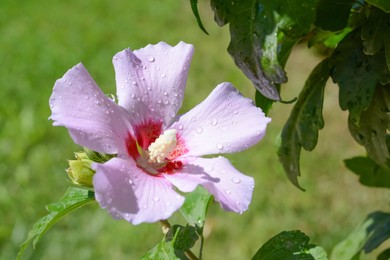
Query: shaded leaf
{"x": 301, "y": 128}
{"x": 264, "y": 103}
{"x": 177, "y": 241}
{"x": 367, "y": 236}
{"x": 194, "y": 7}
{"x": 258, "y": 31}
{"x": 339, "y": 10}
{"x": 327, "y": 38}
{"x": 382, "y": 4}
{"x": 357, "y": 74}
{"x": 370, "y": 173}
{"x": 373, "y": 125}
{"x": 290, "y": 245}
{"x": 73, "y": 199}
{"x": 385, "y": 255}
{"x": 375, "y": 30}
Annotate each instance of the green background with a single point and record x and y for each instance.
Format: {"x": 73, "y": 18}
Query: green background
{"x": 41, "y": 40}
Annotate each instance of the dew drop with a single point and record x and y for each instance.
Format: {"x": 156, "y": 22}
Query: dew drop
{"x": 193, "y": 119}
{"x": 97, "y": 102}
{"x": 163, "y": 75}
{"x": 145, "y": 206}
{"x": 165, "y": 94}
{"x": 134, "y": 82}
{"x": 130, "y": 181}
{"x": 235, "y": 112}
{"x": 199, "y": 130}
{"x": 219, "y": 146}
{"x": 214, "y": 122}
{"x": 228, "y": 191}
{"x": 156, "y": 199}
{"x": 236, "y": 180}
{"x": 181, "y": 127}
{"x": 151, "y": 59}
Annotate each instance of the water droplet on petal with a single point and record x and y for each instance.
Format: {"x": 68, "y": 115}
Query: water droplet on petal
{"x": 181, "y": 127}
{"x": 199, "y": 130}
{"x": 134, "y": 82}
{"x": 156, "y": 199}
{"x": 236, "y": 180}
{"x": 219, "y": 146}
{"x": 193, "y": 119}
{"x": 130, "y": 181}
{"x": 165, "y": 93}
{"x": 214, "y": 122}
{"x": 235, "y": 112}
{"x": 228, "y": 191}
{"x": 151, "y": 59}
{"x": 163, "y": 75}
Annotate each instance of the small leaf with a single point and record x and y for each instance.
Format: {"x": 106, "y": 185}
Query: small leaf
{"x": 357, "y": 74}
{"x": 195, "y": 207}
{"x": 259, "y": 29}
{"x": 301, "y": 128}
{"x": 178, "y": 240}
{"x": 327, "y": 38}
{"x": 194, "y": 7}
{"x": 373, "y": 124}
{"x": 382, "y": 4}
{"x": 370, "y": 173}
{"x": 339, "y": 10}
{"x": 73, "y": 199}
{"x": 375, "y": 30}
{"x": 367, "y": 236}
{"x": 288, "y": 245}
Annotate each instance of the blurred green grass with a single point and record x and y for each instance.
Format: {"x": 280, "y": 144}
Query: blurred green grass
{"x": 41, "y": 40}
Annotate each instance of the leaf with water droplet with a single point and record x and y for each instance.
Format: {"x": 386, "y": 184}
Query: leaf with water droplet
{"x": 259, "y": 33}
{"x": 74, "y": 198}
{"x": 301, "y": 128}
{"x": 357, "y": 74}
{"x": 290, "y": 245}
{"x": 373, "y": 124}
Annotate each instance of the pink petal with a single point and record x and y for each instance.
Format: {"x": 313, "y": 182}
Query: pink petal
{"x": 230, "y": 188}
{"x": 151, "y": 81}
{"x": 93, "y": 120}
{"x": 127, "y": 192}
{"x": 224, "y": 122}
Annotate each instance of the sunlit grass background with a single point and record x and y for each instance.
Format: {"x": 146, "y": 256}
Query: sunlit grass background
{"x": 41, "y": 40}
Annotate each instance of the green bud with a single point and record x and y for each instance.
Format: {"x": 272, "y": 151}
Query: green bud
{"x": 97, "y": 157}
{"x": 80, "y": 171}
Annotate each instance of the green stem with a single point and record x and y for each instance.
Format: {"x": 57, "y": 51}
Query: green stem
{"x": 165, "y": 226}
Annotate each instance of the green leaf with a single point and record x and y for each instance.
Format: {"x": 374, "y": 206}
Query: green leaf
{"x": 174, "y": 245}
{"x": 373, "y": 124}
{"x": 195, "y": 207}
{"x": 259, "y": 29}
{"x": 382, "y": 4}
{"x": 288, "y": 245}
{"x": 338, "y": 10}
{"x": 375, "y": 31}
{"x": 301, "y": 128}
{"x": 264, "y": 103}
{"x": 385, "y": 255}
{"x": 370, "y": 173}
{"x": 73, "y": 199}
{"x": 367, "y": 236}
{"x": 327, "y": 38}
{"x": 194, "y": 7}
{"x": 357, "y": 74}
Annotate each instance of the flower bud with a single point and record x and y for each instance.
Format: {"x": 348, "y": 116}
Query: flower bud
{"x": 79, "y": 171}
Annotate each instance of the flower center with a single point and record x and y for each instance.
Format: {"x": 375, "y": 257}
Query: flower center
{"x": 155, "y": 159}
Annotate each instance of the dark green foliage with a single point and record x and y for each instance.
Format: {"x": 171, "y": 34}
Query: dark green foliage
{"x": 301, "y": 128}
{"x": 194, "y": 7}
{"x": 258, "y": 31}
{"x": 367, "y": 236}
{"x": 370, "y": 173}
{"x": 73, "y": 199}
{"x": 288, "y": 245}
{"x": 332, "y": 15}
{"x": 373, "y": 124}
{"x": 382, "y": 4}
{"x": 177, "y": 241}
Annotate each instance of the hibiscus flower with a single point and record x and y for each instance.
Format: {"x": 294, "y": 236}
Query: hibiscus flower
{"x": 158, "y": 152}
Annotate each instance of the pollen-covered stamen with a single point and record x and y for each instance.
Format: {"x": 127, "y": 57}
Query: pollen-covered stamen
{"x": 160, "y": 149}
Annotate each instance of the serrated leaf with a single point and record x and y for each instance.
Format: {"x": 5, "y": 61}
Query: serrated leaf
{"x": 367, "y": 236}
{"x": 382, "y": 4}
{"x": 258, "y": 31}
{"x": 375, "y": 30}
{"x": 373, "y": 124}
{"x": 174, "y": 245}
{"x": 301, "y": 128}
{"x": 288, "y": 245}
{"x": 370, "y": 173}
{"x": 357, "y": 74}
{"x": 73, "y": 199}
{"x": 194, "y": 7}
{"x": 195, "y": 207}
{"x": 339, "y": 10}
